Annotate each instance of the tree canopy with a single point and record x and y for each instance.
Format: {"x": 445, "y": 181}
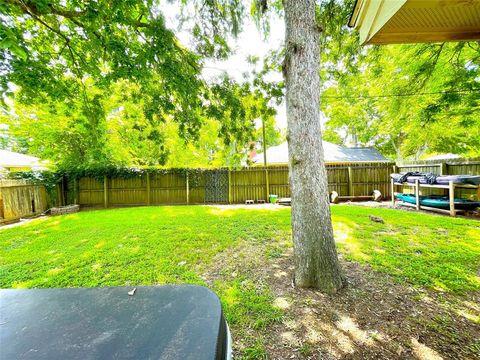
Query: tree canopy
{"x": 83, "y": 66}
{"x": 105, "y": 82}
{"x": 126, "y": 137}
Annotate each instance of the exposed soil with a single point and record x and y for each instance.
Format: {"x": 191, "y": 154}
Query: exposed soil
{"x": 373, "y": 317}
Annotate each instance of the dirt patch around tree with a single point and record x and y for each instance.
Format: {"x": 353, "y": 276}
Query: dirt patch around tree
{"x": 373, "y": 317}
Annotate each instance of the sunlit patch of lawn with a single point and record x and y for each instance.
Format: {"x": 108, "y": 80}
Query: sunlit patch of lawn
{"x": 146, "y": 245}
{"x": 425, "y": 250}
{"x": 156, "y": 245}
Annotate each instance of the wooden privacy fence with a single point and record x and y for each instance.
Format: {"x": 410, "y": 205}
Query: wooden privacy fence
{"x": 221, "y": 185}
{"x": 20, "y": 198}
{"x": 144, "y": 189}
{"x": 355, "y": 179}
{"x": 450, "y": 167}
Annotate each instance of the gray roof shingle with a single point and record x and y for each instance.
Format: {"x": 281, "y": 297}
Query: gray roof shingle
{"x": 333, "y": 153}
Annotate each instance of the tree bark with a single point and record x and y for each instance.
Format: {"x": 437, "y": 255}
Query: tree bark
{"x": 316, "y": 260}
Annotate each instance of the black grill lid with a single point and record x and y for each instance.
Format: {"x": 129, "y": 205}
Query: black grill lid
{"x": 157, "y": 322}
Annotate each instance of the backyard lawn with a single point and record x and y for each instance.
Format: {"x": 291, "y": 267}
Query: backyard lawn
{"x": 413, "y": 281}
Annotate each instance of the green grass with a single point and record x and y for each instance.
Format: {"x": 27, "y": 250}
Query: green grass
{"x": 146, "y": 245}
{"x": 150, "y": 245}
{"x": 155, "y": 245}
{"x": 424, "y": 250}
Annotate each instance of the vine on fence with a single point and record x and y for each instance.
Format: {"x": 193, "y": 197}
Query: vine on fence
{"x": 51, "y": 178}
{"x": 47, "y": 178}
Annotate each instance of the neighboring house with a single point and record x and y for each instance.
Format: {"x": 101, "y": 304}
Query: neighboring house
{"x": 12, "y": 161}
{"x": 333, "y": 154}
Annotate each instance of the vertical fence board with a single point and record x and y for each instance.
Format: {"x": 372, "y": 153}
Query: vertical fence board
{"x": 130, "y": 191}
{"x": 197, "y": 187}
{"x": 20, "y": 198}
{"x": 90, "y": 192}
{"x": 169, "y": 188}
{"x": 278, "y": 181}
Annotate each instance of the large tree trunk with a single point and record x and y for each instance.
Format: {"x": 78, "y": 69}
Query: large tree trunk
{"x": 316, "y": 261}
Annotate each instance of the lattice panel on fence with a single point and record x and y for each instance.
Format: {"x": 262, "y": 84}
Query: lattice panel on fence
{"x": 216, "y": 186}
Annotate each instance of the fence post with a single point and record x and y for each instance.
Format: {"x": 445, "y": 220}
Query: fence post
{"x": 64, "y": 199}
{"x": 59, "y": 194}
{"x": 75, "y": 191}
{"x": 149, "y": 200}
{"x": 229, "y": 186}
{"x": 443, "y": 168}
{"x": 267, "y": 185}
{"x": 188, "y": 186}
{"x": 105, "y": 191}
{"x": 350, "y": 184}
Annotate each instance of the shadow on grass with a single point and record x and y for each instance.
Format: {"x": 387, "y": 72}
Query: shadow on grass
{"x": 426, "y": 251}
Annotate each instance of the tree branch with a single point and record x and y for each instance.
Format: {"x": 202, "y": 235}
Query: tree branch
{"x": 33, "y": 8}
